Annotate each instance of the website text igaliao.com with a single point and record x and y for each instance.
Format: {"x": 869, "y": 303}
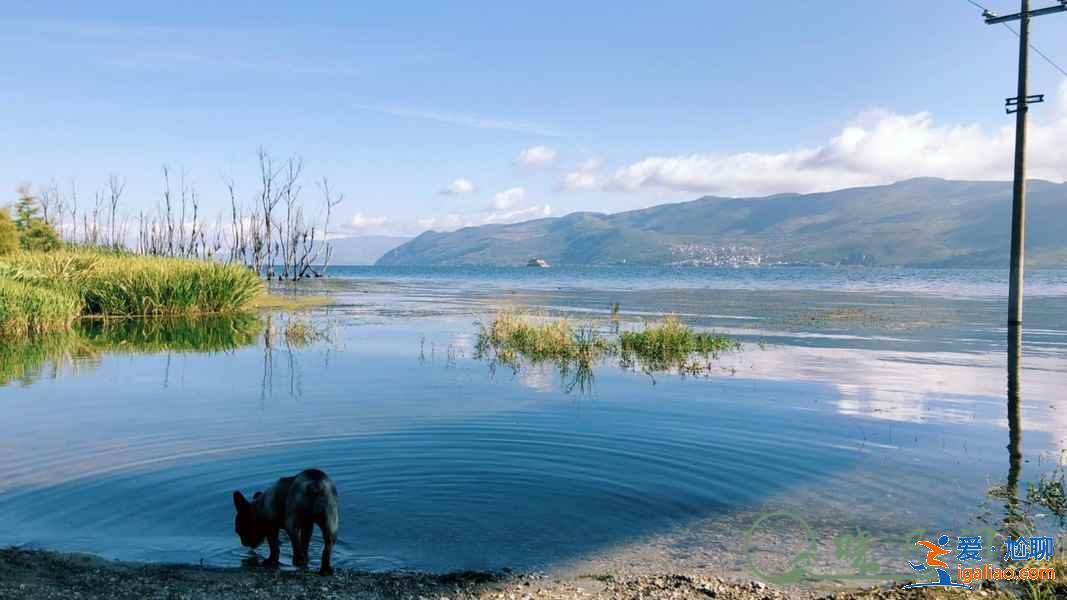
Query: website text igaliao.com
{"x": 994, "y": 573}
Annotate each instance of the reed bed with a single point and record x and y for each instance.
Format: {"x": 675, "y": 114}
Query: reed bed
{"x": 28, "y": 310}
{"x": 47, "y": 291}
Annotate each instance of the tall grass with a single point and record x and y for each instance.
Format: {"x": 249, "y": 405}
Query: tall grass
{"x": 42, "y": 292}
{"x": 26, "y": 309}
{"x": 125, "y": 285}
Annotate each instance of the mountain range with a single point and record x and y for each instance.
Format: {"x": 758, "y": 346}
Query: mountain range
{"x": 362, "y": 249}
{"x": 917, "y": 222}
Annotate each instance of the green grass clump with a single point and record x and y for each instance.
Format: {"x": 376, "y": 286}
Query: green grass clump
{"x": 123, "y": 285}
{"x": 46, "y": 291}
{"x": 666, "y": 346}
{"x": 1055, "y": 589}
{"x": 26, "y": 309}
{"x": 511, "y": 335}
{"x": 670, "y": 345}
{"x": 300, "y": 333}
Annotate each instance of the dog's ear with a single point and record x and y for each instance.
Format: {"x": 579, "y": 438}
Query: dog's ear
{"x": 256, "y": 496}
{"x": 240, "y": 502}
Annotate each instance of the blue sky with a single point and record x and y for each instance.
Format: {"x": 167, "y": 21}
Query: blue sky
{"x": 617, "y": 105}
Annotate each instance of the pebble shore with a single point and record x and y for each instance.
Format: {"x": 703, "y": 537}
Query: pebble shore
{"x": 43, "y": 574}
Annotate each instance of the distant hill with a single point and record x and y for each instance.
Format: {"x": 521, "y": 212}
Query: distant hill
{"x": 362, "y": 250}
{"x": 918, "y": 222}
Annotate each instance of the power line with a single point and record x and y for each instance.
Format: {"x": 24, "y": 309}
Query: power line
{"x": 1032, "y": 46}
{"x": 1038, "y": 50}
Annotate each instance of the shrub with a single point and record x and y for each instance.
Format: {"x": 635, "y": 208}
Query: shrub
{"x": 39, "y": 236}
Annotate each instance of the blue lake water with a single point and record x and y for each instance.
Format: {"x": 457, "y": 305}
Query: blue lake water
{"x": 862, "y": 398}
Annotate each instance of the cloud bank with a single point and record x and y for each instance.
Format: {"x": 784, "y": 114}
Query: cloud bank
{"x": 877, "y": 147}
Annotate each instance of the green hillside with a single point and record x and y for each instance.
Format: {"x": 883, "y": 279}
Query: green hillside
{"x": 918, "y": 222}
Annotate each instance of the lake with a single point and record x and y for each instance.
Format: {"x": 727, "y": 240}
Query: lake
{"x": 864, "y": 404}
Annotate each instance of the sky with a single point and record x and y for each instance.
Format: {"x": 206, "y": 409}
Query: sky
{"x": 447, "y": 114}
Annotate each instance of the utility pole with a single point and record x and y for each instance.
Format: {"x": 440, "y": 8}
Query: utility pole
{"x": 1018, "y": 105}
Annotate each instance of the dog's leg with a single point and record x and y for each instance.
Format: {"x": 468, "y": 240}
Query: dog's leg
{"x": 294, "y": 540}
{"x": 329, "y": 536}
{"x": 275, "y": 549}
{"x": 305, "y": 542}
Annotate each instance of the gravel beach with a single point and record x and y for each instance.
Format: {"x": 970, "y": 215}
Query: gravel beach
{"x": 43, "y": 574}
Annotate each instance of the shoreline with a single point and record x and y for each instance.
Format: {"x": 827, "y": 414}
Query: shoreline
{"x": 47, "y": 574}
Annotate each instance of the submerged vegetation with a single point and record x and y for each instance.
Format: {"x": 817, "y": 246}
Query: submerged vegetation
{"x": 668, "y": 345}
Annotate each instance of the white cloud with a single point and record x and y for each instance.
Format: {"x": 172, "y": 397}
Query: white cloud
{"x": 507, "y": 206}
{"x": 448, "y": 222}
{"x": 537, "y": 156}
{"x": 361, "y": 223}
{"x": 458, "y": 186}
{"x": 514, "y": 216}
{"x": 590, "y": 164}
{"x": 508, "y": 199}
{"x": 876, "y": 148}
{"x": 453, "y": 221}
{"x": 586, "y": 177}
{"x": 583, "y": 180}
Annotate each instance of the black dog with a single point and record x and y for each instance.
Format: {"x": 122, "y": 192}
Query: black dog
{"x": 294, "y": 504}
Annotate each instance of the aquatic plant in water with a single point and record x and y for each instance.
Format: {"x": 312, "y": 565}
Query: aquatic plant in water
{"x": 671, "y": 345}
{"x": 511, "y": 338}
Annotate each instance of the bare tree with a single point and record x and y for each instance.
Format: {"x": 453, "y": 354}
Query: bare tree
{"x": 74, "y": 212}
{"x": 269, "y": 196}
{"x": 293, "y": 244}
{"x": 115, "y": 189}
{"x": 331, "y": 201}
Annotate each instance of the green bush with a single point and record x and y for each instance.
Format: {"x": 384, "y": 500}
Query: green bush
{"x": 39, "y": 237}
{"x": 34, "y": 232}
